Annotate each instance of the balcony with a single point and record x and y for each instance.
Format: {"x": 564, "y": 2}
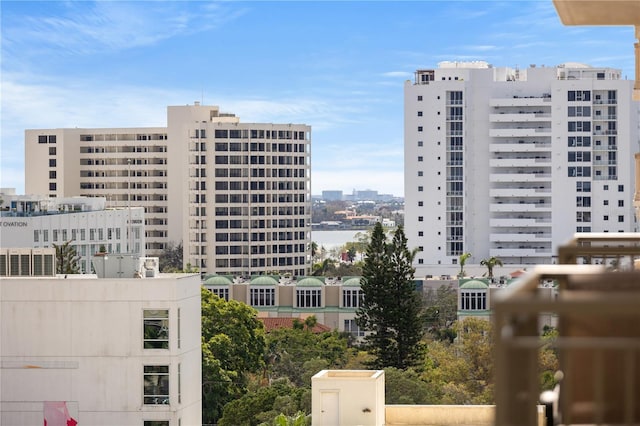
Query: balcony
{"x": 598, "y": 344}
{"x": 520, "y": 132}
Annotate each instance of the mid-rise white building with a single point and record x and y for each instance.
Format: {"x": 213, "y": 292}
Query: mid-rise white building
{"x": 101, "y": 351}
{"x": 237, "y": 195}
{"x": 40, "y": 222}
{"x": 512, "y": 162}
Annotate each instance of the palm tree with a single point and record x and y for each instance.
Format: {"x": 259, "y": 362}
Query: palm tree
{"x": 463, "y": 260}
{"x": 490, "y": 263}
{"x": 67, "y": 258}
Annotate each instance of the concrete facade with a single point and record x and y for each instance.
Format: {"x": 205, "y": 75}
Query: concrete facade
{"x": 41, "y": 222}
{"x": 237, "y": 195}
{"x": 512, "y": 162}
{"x": 332, "y": 301}
{"x": 82, "y": 345}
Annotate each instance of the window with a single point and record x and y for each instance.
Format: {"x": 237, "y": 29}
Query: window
{"x": 52, "y": 150}
{"x": 420, "y": 218}
{"x": 156, "y": 384}
{"x": 52, "y": 186}
{"x": 52, "y": 162}
{"x": 620, "y": 203}
{"x": 350, "y": 326}
{"x": 420, "y": 158}
{"x": 605, "y": 202}
{"x": 579, "y": 156}
{"x": 583, "y": 201}
{"x": 52, "y": 138}
{"x": 221, "y": 292}
{"x": 156, "y": 423}
{"x": 579, "y": 171}
{"x": 420, "y": 233}
{"x": 351, "y": 298}
{"x": 583, "y": 186}
{"x": 420, "y": 143}
{"x": 52, "y": 174}
{"x": 419, "y": 128}
{"x": 156, "y": 328}
{"x": 419, "y": 113}
{"x": 420, "y": 203}
{"x": 420, "y": 189}
{"x": 42, "y": 139}
{"x": 419, "y": 97}
{"x": 620, "y": 218}
{"x": 583, "y": 217}
{"x": 579, "y": 126}
{"x": 420, "y": 173}
{"x": 578, "y": 95}
{"x": 473, "y": 300}
{"x": 620, "y": 188}
{"x": 308, "y": 298}
{"x": 579, "y": 111}
{"x": 260, "y": 296}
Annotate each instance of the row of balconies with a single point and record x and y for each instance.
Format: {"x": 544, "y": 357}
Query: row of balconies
{"x": 520, "y": 132}
{"x": 520, "y": 191}
{"x": 521, "y": 146}
{"x": 519, "y": 117}
{"x": 520, "y": 220}
{"x": 521, "y": 101}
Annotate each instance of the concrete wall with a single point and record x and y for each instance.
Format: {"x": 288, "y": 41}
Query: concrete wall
{"x": 348, "y": 397}
{"x": 81, "y": 341}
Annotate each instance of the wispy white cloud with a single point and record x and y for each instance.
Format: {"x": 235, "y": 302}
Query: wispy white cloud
{"x": 398, "y": 74}
{"x": 90, "y": 27}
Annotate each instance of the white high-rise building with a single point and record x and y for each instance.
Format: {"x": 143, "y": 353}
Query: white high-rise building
{"x": 237, "y": 195}
{"x": 512, "y": 162}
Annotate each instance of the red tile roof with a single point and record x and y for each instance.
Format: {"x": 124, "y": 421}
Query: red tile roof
{"x": 273, "y": 323}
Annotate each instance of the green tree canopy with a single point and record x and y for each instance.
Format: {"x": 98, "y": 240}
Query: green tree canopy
{"x": 491, "y": 263}
{"x": 390, "y": 308}
{"x": 171, "y": 258}
{"x": 441, "y": 311}
{"x": 463, "y": 371}
{"x": 67, "y": 259}
{"x": 265, "y": 403}
{"x": 297, "y": 354}
{"x": 463, "y": 260}
{"x": 233, "y": 346}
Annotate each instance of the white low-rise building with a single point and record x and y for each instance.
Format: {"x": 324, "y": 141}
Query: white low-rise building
{"x": 101, "y": 351}
{"x": 39, "y": 222}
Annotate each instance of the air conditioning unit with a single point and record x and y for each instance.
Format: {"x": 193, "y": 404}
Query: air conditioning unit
{"x": 149, "y": 267}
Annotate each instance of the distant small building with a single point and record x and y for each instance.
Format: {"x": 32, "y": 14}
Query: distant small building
{"x": 333, "y": 195}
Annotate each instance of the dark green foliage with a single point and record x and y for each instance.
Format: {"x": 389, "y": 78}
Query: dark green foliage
{"x": 407, "y": 387}
{"x": 297, "y": 354}
{"x": 264, "y": 404}
{"x": 233, "y": 346}
{"x": 441, "y": 311}
{"x": 391, "y": 307}
{"x": 171, "y": 258}
{"x": 66, "y": 258}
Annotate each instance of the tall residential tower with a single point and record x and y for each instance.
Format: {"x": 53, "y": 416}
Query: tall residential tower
{"x": 511, "y": 163}
{"x": 237, "y": 195}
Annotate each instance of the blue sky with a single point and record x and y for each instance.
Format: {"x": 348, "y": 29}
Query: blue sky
{"x": 338, "y": 66}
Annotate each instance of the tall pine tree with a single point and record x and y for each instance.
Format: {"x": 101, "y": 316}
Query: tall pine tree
{"x": 390, "y": 307}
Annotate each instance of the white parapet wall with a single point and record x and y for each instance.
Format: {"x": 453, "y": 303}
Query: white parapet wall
{"x": 348, "y": 397}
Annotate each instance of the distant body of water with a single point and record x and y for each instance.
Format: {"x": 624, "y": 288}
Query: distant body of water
{"x": 334, "y": 239}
